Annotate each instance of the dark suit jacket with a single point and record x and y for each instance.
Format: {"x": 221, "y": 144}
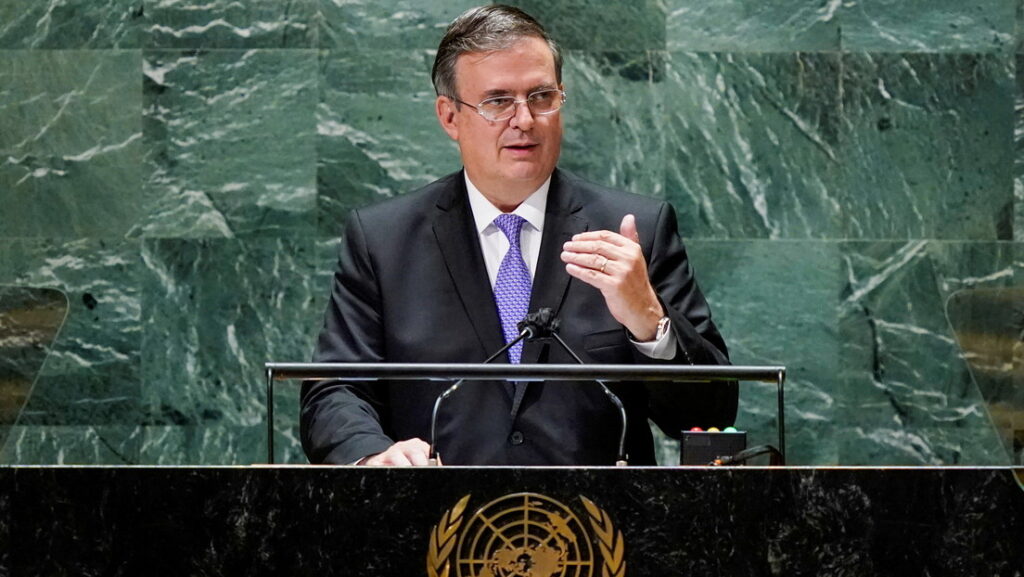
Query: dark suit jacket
{"x": 411, "y": 286}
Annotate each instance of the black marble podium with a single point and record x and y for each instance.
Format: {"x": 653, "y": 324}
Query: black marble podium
{"x": 85, "y": 521}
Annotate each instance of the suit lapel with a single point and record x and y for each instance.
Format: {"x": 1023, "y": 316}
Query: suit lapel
{"x": 561, "y": 221}
{"x": 460, "y": 246}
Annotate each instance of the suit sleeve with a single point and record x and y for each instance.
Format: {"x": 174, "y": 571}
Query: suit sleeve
{"x": 676, "y": 407}
{"x": 341, "y": 422}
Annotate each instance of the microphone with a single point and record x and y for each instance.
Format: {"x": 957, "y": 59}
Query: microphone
{"x": 525, "y": 332}
{"x": 543, "y": 324}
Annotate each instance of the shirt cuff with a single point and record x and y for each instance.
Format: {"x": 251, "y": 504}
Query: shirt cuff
{"x": 663, "y": 349}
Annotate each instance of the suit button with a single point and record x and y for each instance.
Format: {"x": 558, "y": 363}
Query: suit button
{"x": 516, "y": 438}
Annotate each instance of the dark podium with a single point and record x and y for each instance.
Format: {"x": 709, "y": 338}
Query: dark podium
{"x": 657, "y": 522}
{"x": 505, "y": 521}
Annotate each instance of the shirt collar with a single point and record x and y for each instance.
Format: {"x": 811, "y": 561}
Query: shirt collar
{"x": 532, "y": 209}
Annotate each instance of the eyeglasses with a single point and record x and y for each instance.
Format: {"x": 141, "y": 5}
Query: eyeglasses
{"x": 540, "y": 103}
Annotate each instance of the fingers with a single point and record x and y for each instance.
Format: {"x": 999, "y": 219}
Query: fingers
{"x": 628, "y": 228}
{"x": 604, "y": 251}
{"x": 409, "y": 453}
{"x": 604, "y": 236}
{"x": 614, "y": 264}
{"x": 589, "y": 260}
{"x": 602, "y": 281}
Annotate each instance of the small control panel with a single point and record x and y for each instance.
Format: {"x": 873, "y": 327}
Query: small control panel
{"x": 700, "y": 447}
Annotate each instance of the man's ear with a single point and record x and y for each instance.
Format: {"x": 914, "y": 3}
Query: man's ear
{"x": 445, "y": 109}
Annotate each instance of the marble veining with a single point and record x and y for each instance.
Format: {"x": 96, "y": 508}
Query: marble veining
{"x": 71, "y": 24}
{"x": 751, "y": 26}
{"x": 211, "y": 117}
{"x": 926, "y": 153}
{"x": 727, "y": 170}
{"x": 92, "y": 374}
{"x": 204, "y": 385}
{"x": 928, "y": 26}
{"x": 847, "y": 177}
{"x": 377, "y": 132}
{"x": 901, "y": 365}
{"x": 231, "y": 24}
{"x": 69, "y": 156}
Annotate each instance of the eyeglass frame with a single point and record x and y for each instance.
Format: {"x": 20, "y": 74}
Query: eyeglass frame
{"x": 515, "y": 104}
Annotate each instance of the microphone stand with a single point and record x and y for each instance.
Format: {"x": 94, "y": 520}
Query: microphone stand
{"x": 540, "y": 324}
{"x": 433, "y": 459}
{"x": 546, "y": 325}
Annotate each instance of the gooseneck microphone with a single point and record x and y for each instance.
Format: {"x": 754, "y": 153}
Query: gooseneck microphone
{"x": 544, "y": 324}
{"x": 538, "y": 325}
{"x": 527, "y": 332}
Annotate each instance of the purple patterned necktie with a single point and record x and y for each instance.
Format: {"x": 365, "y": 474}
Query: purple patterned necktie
{"x": 512, "y": 289}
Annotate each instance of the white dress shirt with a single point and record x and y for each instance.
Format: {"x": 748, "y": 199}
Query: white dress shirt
{"x": 494, "y": 244}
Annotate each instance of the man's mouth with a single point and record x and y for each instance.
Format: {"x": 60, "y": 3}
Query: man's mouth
{"x": 525, "y": 146}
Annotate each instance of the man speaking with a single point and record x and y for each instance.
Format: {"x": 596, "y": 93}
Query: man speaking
{"x": 444, "y": 275}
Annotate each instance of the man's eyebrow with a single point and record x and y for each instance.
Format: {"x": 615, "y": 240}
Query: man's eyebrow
{"x": 495, "y": 92}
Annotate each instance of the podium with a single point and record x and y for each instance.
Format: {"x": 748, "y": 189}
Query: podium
{"x": 525, "y": 372}
{"x": 383, "y": 522}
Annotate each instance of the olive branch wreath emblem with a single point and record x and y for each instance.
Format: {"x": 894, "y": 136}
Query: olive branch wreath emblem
{"x": 444, "y": 536}
{"x": 612, "y": 545}
{"x": 442, "y": 539}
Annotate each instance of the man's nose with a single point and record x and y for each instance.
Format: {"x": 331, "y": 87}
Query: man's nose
{"x": 523, "y": 117}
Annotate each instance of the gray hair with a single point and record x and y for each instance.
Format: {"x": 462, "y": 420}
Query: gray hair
{"x": 485, "y": 29}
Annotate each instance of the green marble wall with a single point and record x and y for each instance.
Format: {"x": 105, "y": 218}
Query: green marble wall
{"x": 847, "y": 175}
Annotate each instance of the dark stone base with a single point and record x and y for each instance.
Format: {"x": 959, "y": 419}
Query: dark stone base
{"x": 378, "y": 522}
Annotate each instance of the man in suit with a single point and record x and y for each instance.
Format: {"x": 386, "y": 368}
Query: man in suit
{"x": 443, "y": 274}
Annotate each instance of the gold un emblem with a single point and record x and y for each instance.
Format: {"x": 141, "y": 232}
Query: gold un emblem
{"x": 525, "y": 535}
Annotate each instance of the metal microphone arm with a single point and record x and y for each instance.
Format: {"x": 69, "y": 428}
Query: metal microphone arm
{"x": 525, "y": 332}
{"x": 622, "y": 461}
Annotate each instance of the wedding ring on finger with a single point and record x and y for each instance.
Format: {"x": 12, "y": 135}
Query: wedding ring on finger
{"x": 603, "y": 264}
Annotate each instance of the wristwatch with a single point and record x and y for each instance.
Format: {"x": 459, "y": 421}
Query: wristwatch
{"x": 664, "y": 325}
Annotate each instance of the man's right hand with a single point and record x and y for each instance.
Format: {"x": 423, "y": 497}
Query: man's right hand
{"x": 409, "y": 453}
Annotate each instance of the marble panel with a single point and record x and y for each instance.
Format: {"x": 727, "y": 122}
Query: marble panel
{"x": 591, "y": 25}
{"x": 70, "y": 24}
{"x": 774, "y": 302}
{"x": 215, "y": 311}
{"x": 397, "y": 24}
{"x": 1018, "y": 158}
{"x": 880, "y": 446}
{"x": 224, "y": 444}
{"x": 752, "y": 144}
{"x": 378, "y": 134}
{"x": 753, "y": 25}
{"x": 91, "y": 377}
{"x": 1019, "y": 29}
{"x": 928, "y": 25}
{"x": 30, "y": 319}
{"x": 230, "y": 143}
{"x": 904, "y": 380}
{"x": 988, "y": 323}
{"x": 71, "y": 143}
{"x": 72, "y": 445}
{"x": 927, "y": 146}
{"x": 612, "y": 119}
{"x": 231, "y": 24}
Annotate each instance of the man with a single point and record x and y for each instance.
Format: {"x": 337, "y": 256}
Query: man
{"x": 443, "y": 274}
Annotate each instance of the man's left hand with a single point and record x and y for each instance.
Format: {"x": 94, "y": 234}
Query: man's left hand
{"x": 614, "y": 264}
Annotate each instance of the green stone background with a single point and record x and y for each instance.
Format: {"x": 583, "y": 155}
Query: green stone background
{"x": 844, "y": 172}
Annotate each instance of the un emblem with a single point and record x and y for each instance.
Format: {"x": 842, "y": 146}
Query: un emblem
{"x": 525, "y": 535}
